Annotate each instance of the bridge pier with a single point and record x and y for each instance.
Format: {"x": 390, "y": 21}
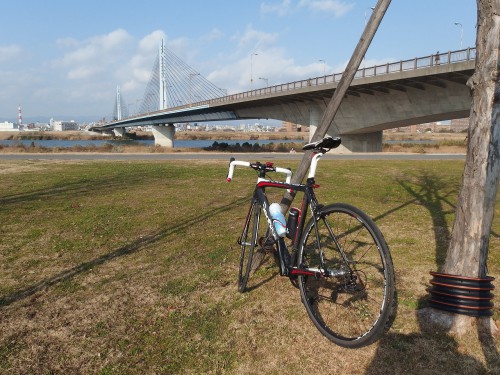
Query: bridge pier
{"x": 314, "y": 119}
{"x": 118, "y": 132}
{"x": 164, "y": 135}
{"x": 367, "y": 142}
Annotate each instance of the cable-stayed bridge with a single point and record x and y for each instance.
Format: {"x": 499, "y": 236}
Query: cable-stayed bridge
{"x": 419, "y": 90}
{"x": 173, "y": 83}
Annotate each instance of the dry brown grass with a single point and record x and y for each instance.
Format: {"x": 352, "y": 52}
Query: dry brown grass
{"x": 130, "y": 268}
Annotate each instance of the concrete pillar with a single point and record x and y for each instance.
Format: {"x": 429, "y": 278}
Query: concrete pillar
{"x": 119, "y": 132}
{"x": 314, "y": 119}
{"x": 164, "y": 135}
{"x": 367, "y": 142}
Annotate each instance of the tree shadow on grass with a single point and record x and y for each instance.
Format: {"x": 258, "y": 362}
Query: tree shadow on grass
{"x": 79, "y": 186}
{"x": 130, "y": 248}
{"x": 432, "y": 352}
{"x": 428, "y": 353}
{"x": 434, "y": 194}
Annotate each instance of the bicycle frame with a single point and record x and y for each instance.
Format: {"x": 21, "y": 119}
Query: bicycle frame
{"x": 287, "y": 261}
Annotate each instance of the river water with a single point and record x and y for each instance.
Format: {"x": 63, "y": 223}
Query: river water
{"x": 198, "y": 143}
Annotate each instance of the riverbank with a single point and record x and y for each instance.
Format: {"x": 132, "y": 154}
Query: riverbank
{"x": 393, "y": 142}
{"x": 180, "y": 135}
{"x": 425, "y": 142}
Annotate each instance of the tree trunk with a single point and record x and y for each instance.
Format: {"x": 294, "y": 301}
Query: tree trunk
{"x": 468, "y": 249}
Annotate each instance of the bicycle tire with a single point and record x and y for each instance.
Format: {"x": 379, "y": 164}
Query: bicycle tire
{"x": 253, "y": 244}
{"x": 247, "y": 244}
{"x": 354, "y": 309}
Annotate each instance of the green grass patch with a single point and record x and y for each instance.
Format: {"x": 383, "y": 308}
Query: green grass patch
{"x": 131, "y": 267}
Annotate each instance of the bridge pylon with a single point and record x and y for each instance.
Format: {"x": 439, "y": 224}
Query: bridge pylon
{"x": 163, "y": 134}
{"x": 174, "y": 83}
{"x": 163, "y": 77}
{"x": 120, "y": 109}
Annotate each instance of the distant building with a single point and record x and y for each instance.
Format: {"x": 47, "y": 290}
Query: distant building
{"x": 293, "y": 127}
{"x": 60, "y": 126}
{"x": 453, "y": 126}
{"x": 8, "y": 127}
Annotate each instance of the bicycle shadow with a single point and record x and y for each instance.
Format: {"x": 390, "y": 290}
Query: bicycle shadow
{"x": 432, "y": 350}
{"x": 131, "y": 248}
{"x": 264, "y": 263}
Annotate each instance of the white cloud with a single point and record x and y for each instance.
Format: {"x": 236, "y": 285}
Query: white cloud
{"x": 151, "y": 41}
{"x": 255, "y": 39}
{"x": 9, "y": 52}
{"x": 67, "y": 42}
{"x": 335, "y": 7}
{"x": 280, "y": 9}
{"x": 90, "y": 57}
{"x": 83, "y": 72}
{"x": 214, "y": 34}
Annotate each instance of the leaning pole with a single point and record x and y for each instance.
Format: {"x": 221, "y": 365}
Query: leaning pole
{"x": 334, "y": 104}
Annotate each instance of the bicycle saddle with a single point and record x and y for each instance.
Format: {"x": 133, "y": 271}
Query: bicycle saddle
{"x": 326, "y": 143}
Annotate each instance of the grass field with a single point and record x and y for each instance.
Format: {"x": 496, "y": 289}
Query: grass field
{"x": 130, "y": 268}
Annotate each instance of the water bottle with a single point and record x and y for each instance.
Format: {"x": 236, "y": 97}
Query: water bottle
{"x": 279, "y": 221}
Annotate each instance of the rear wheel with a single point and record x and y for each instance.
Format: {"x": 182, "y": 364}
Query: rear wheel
{"x": 354, "y": 302}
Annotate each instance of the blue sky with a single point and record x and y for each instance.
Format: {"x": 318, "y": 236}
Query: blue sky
{"x": 64, "y": 59}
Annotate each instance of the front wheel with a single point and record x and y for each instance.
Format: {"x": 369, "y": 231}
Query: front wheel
{"x": 255, "y": 241}
{"x": 353, "y": 302}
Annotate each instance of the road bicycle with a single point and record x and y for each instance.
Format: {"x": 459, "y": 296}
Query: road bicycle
{"x": 339, "y": 259}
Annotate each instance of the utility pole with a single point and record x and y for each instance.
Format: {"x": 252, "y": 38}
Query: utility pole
{"x": 339, "y": 93}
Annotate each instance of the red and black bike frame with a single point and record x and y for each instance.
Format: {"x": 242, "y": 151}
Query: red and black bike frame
{"x": 288, "y": 262}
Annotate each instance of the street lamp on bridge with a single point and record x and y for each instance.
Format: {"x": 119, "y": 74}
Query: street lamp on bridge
{"x": 461, "y": 33}
{"x": 251, "y": 67}
{"x": 265, "y": 80}
{"x": 324, "y": 66}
